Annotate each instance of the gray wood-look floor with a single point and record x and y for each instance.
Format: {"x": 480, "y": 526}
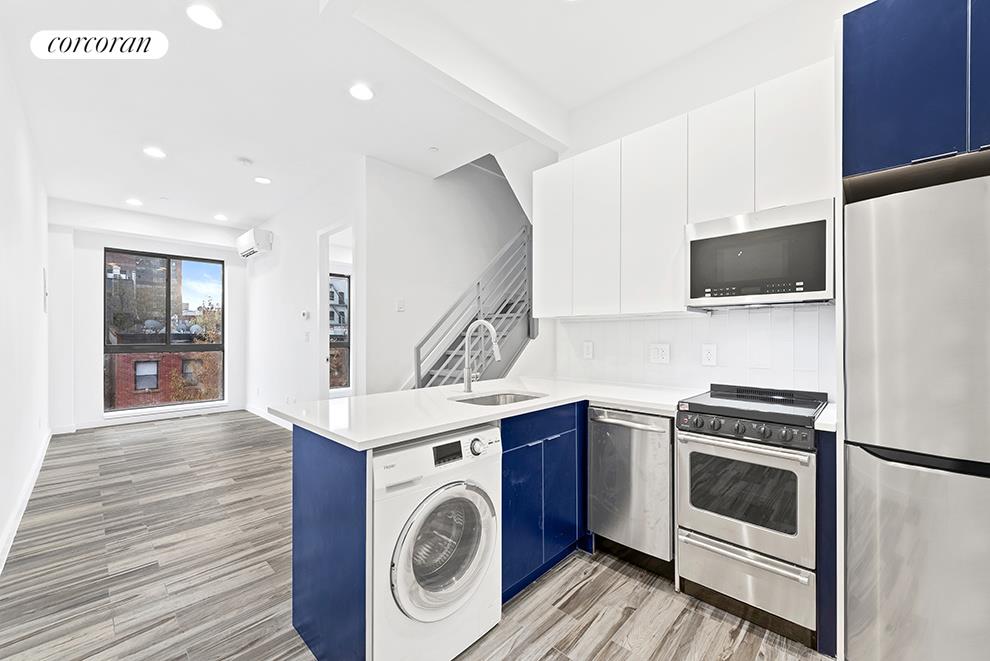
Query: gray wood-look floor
{"x": 163, "y": 540}
{"x": 172, "y": 540}
{"x": 599, "y": 607}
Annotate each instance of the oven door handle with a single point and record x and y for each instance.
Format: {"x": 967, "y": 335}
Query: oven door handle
{"x": 799, "y": 457}
{"x": 800, "y": 578}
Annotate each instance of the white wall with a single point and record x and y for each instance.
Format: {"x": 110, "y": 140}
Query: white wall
{"x": 123, "y": 222}
{"x": 427, "y": 239}
{"x": 282, "y": 365}
{"x": 23, "y": 321}
{"x": 783, "y": 347}
{"x": 76, "y": 285}
{"x": 794, "y": 37}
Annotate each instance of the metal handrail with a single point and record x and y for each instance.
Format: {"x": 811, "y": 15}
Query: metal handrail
{"x": 504, "y": 284}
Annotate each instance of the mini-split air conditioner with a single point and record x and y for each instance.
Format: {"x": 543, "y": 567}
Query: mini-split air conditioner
{"x": 254, "y": 242}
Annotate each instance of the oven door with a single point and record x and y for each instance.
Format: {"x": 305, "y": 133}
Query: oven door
{"x": 781, "y": 255}
{"x": 755, "y": 496}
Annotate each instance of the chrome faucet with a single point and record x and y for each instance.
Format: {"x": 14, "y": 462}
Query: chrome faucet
{"x": 468, "y": 376}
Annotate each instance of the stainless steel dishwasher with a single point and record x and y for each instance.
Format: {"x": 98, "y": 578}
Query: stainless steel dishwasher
{"x": 629, "y": 480}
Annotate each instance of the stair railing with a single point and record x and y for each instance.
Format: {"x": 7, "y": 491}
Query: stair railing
{"x": 502, "y": 293}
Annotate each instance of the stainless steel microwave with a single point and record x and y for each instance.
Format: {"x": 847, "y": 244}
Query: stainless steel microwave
{"x": 781, "y": 255}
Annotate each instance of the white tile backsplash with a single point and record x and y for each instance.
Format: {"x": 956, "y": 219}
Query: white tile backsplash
{"x": 781, "y": 347}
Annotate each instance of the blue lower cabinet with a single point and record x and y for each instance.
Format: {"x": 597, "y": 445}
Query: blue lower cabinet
{"x": 522, "y": 513}
{"x": 560, "y": 494}
{"x": 542, "y": 478}
{"x": 329, "y": 556}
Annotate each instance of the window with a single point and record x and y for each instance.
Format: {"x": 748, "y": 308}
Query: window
{"x": 146, "y": 375}
{"x": 163, "y": 328}
{"x": 340, "y": 331}
{"x": 191, "y": 368}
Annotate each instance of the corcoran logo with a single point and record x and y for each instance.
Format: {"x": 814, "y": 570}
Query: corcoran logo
{"x": 99, "y": 44}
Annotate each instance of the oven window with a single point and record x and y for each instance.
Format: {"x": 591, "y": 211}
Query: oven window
{"x": 759, "y": 495}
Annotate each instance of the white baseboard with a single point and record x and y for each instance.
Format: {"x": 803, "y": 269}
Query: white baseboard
{"x": 63, "y": 429}
{"x": 262, "y": 413}
{"x": 10, "y": 530}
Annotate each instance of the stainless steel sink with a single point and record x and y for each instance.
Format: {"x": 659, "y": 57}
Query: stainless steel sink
{"x": 498, "y": 398}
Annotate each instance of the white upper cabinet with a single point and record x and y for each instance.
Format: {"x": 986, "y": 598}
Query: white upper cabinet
{"x": 795, "y": 137}
{"x": 596, "y": 230}
{"x": 654, "y": 212}
{"x": 721, "y": 155}
{"x": 553, "y": 265}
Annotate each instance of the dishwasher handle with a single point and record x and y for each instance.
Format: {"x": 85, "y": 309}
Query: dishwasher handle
{"x": 602, "y": 417}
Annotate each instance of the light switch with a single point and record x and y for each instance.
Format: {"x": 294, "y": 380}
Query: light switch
{"x": 400, "y": 305}
{"x": 589, "y": 349}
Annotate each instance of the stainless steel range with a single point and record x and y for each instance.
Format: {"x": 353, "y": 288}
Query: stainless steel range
{"x": 746, "y": 465}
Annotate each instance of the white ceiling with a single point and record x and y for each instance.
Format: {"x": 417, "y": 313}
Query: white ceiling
{"x": 577, "y": 50}
{"x": 271, "y": 86}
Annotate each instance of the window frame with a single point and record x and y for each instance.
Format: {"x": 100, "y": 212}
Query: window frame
{"x": 158, "y": 375}
{"x": 167, "y": 346}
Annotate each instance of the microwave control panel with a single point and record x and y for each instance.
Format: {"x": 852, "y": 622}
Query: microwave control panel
{"x": 766, "y": 288}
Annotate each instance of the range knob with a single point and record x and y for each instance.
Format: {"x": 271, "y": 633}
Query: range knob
{"x": 697, "y": 422}
{"x": 765, "y": 431}
{"x": 739, "y": 428}
{"x": 786, "y": 435}
{"x": 477, "y": 446}
{"x": 715, "y": 424}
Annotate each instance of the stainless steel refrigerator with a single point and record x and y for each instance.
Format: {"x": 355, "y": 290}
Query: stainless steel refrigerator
{"x": 917, "y": 363}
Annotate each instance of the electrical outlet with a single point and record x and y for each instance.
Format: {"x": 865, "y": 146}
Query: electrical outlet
{"x": 660, "y": 354}
{"x": 709, "y": 354}
{"x": 588, "y": 349}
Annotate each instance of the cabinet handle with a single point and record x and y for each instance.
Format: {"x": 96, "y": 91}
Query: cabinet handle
{"x": 936, "y": 157}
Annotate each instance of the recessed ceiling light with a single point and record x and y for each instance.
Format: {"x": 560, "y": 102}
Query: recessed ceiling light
{"x": 204, "y": 16}
{"x": 154, "y": 152}
{"x": 134, "y": 202}
{"x": 262, "y": 180}
{"x": 220, "y": 217}
{"x": 434, "y": 149}
{"x": 362, "y": 92}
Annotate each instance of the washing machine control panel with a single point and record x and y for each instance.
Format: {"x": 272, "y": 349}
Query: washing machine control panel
{"x": 409, "y": 463}
{"x": 446, "y": 453}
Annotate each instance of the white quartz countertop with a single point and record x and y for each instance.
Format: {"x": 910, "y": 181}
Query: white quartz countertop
{"x": 366, "y": 422}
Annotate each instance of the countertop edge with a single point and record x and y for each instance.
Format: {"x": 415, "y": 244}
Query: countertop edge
{"x": 826, "y": 421}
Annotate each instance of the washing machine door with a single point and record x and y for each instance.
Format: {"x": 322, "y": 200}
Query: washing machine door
{"x": 444, "y": 551}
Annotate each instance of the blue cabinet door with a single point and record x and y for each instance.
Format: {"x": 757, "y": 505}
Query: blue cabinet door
{"x": 560, "y": 493}
{"x": 904, "y": 82}
{"x": 979, "y": 59}
{"x": 522, "y": 513}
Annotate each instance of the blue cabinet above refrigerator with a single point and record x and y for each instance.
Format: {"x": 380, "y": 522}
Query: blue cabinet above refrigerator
{"x": 979, "y": 105}
{"x": 905, "y": 83}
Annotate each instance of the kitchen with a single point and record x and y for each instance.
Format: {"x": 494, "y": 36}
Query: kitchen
{"x": 675, "y": 413}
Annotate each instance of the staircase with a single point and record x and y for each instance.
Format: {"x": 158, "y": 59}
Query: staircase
{"x": 502, "y": 295}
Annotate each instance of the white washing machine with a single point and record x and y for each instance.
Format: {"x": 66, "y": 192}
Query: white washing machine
{"x": 437, "y": 550}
